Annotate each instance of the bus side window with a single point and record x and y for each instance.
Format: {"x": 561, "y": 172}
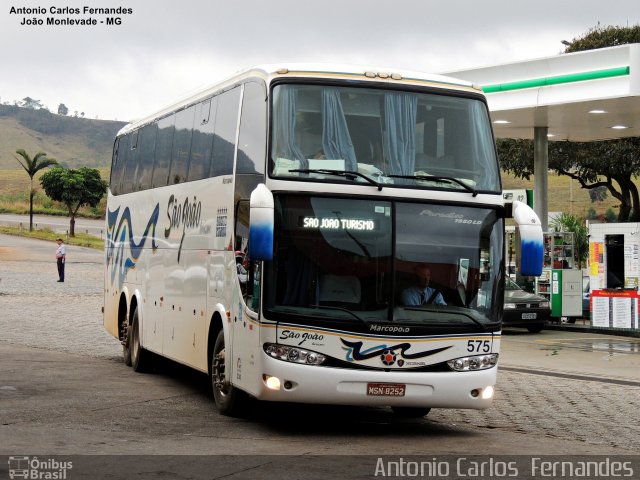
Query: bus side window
{"x": 123, "y": 159}
{"x": 164, "y": 144}
{"x": 202, "y": 141}
{"x": 147, "y": 147}
{"x": 130, "y": 164}
{"x": 248, "y": 271}
{"x": 181, "y": 145}
{"x": 253, "y": 130}
{"x": 226, "y": 127}
{"x": 116, "y": 168}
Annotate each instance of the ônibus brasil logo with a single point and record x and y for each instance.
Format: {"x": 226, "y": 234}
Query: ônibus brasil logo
{"x": 34, "y": 468}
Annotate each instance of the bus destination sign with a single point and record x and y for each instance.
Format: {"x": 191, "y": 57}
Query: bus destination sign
{"x": 328, "y": 223}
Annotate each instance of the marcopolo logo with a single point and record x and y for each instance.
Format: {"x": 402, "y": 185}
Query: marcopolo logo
{"x": 38, "y": 469}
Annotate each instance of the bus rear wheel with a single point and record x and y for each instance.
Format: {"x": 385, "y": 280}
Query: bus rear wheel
{"x": 228, "y": 399}
{"x": 126, "y": 344}
{"x": 140, "y": 358}
{"x": 411, "y": 412}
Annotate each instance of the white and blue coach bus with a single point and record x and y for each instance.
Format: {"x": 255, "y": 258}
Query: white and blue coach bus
{"x": 313, "y": 234}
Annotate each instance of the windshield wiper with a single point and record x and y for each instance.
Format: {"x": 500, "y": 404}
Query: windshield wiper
{"x": 340, "y": 309}
{"x": 474, "y": 320}
{"x": 340, "y": 173}
{"x": 437, "y": 178}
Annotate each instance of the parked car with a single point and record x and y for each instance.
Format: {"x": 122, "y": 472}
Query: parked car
{"x": 524, "y": 309}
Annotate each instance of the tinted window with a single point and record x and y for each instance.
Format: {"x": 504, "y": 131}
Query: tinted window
{"x": 225, "y": 133}
{"x": 397, "y": 138}
{"x": 253, "y": 127}
{"x": 146, "y": 154}
{"x": 116, "y": 169}
{"x": 130, "y": 164}
{"x": 164, "y": 144}
{"x": 123, "y": 158}
{"x": 182, "y": 145}
{"x": 202, "y": 141}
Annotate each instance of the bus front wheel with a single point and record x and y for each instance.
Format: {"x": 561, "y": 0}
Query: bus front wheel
{"x": 227, "y": 398}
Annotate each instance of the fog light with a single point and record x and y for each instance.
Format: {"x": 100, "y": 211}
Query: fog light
{"x": 487, "y": 393}
{"x": 272, "y": 383}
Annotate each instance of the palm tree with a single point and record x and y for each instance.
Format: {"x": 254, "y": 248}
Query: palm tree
{"x": 567, "y": 222}
{"x": 32, "y": 166}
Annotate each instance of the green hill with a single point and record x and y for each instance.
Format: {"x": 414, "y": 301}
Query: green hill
{"x": 80, "y": 142}
{"x": 73, "y": 141}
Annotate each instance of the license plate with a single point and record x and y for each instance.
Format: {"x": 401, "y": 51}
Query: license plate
{"x": 529, "y": 316}
{"x": 386, "y": 389}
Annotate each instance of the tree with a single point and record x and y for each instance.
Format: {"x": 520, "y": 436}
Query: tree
{"x": 33, "y": 166}
{"x": 28, "y": 102}
{"x": 598, "y": 194}
{"x": 601, "y": 37}
{"x": 74, "y": 188}
{"x": 612, "y": 164}
{"x": 567, "y": 222}
{"x": 62, "y": 109}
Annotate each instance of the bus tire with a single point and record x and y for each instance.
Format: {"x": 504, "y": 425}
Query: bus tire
{"x": 411, "y": 412}
{"x": 227, "y": 398}
{"x": 140, "y": 358}
{"x": 535, "y": 328}
{"x": 126, "y": 346}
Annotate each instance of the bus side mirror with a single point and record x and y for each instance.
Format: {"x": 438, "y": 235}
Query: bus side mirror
{"x": 261, "y": 224}
{"x": 529, "y": 255}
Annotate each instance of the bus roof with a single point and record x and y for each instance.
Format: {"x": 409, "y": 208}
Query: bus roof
{"x": 269, "y": 72}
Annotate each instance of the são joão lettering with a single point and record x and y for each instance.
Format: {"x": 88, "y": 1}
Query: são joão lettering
{"x": 182, "y": 215}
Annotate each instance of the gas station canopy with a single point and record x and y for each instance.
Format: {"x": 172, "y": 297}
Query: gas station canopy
{"x": 582, "y": 96}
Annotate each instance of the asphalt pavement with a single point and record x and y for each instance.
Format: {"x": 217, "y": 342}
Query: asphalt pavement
{"x": 57, "y": 224}
{"x": 65, "y": 390}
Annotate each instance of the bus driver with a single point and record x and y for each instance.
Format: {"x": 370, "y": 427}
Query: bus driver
{"x": 421, "y": 293}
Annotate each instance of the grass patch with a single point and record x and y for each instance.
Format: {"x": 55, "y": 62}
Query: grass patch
{"x": 14, "y": 196}
{"x": 81, "y": 239}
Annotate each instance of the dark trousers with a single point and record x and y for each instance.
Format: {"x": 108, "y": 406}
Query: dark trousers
{"x": 61, "y": 270}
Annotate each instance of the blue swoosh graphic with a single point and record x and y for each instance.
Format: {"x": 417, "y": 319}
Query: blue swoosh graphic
{"x": 354, "y": 352}
{"x": 118, "y": 238}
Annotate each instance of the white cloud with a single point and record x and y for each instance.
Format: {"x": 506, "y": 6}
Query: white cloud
{"x": 165, "y": 49}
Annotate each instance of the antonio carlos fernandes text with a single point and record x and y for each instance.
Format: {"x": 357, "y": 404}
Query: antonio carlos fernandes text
{"x": 491, "y": 468}
{"x": 70, "y": 11}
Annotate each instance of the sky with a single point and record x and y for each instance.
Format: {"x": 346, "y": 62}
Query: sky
{"x": 165, "y": 49}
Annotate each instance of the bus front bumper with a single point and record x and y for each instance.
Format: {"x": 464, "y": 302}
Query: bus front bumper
{"x": 326, "y": 385}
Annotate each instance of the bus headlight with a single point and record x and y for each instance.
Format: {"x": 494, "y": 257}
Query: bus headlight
{"x": 293, "y": 354}
{"x": 472, "y": 363}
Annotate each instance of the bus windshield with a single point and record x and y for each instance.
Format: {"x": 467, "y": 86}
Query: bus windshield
{"x": 416, "y": 140}
{"x": 355, "y": 260}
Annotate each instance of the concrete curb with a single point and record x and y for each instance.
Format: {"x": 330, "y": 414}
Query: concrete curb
{"x": 587, "y": 328}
